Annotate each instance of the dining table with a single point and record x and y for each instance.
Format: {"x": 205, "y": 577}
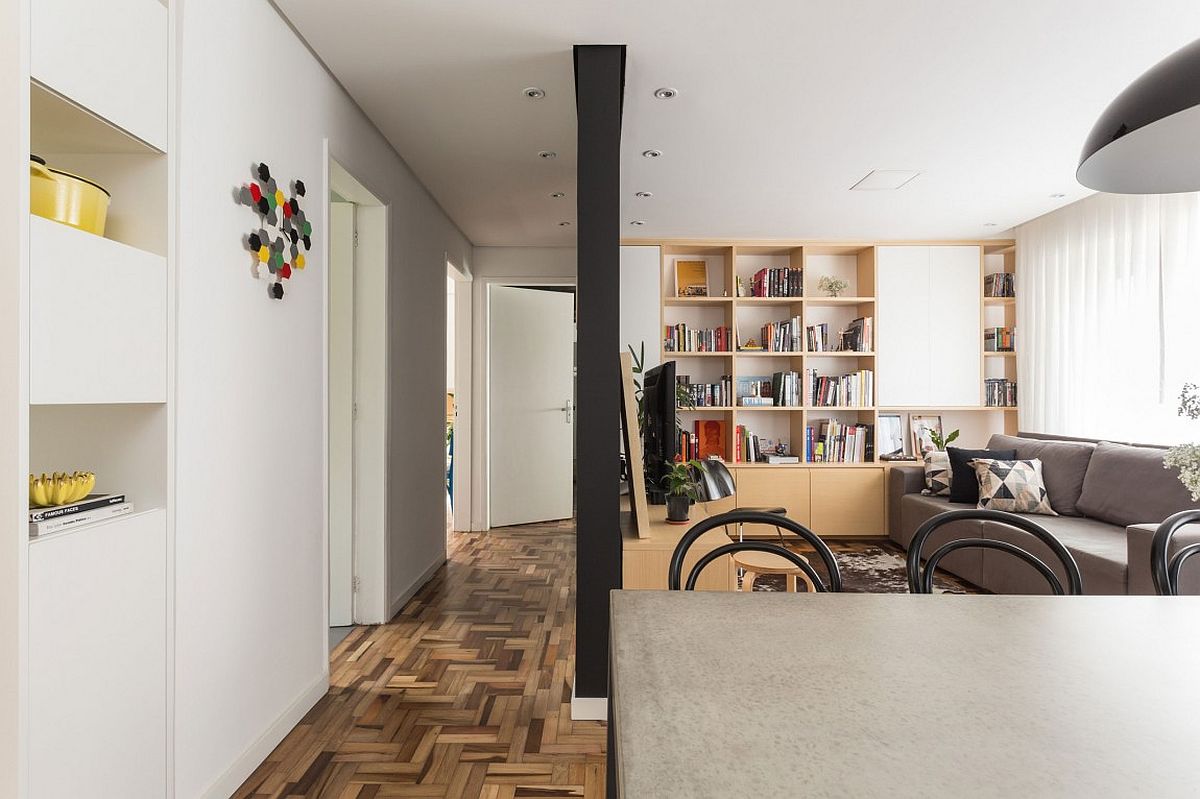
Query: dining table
{"x": 728, "y": 694}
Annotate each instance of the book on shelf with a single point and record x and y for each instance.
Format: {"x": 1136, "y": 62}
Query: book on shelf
{"x": 777, "y": 459}
{"x": 781, "y": 336}
{"x": 684, "y": 338}
{"x": 831, "y": 441}
{"x": 707, "y": 395}
{"x": 786, "y": 389}
{"x": 818, "y": 337}
{"x": 59, "y": 523}
{"x": 856, "y": 389}
{"x": 1000, "y": 393}
{"x": 706, "y": 439}
{"x": 859, "y": 335}
{"x": 998, "y": 339}
{"x": 999, "y": 284}
{"x": 90, "y": 502}
{"x": 750, "y": 448}
{"x": 755, "y": 391}
{"x": 777, "y": 282}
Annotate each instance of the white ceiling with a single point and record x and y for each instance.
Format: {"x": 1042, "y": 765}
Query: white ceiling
{"x": 783, "y": 105}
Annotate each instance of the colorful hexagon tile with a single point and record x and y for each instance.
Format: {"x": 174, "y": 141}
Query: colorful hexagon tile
{"x": 282, "y": 226}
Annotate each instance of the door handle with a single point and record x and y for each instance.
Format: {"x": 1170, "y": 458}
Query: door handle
{"x": 567, "y": 410}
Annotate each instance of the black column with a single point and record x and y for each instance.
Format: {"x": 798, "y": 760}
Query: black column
{"x": 599, "y": 88}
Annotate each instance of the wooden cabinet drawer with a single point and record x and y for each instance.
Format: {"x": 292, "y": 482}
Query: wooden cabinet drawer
{"x": 848, "y": 501}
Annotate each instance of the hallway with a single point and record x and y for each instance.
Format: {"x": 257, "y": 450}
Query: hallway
{"x": 466, "y": 693}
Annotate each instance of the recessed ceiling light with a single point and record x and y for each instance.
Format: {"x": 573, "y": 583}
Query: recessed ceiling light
{"x": 547, "y": 154}
{"x": 534, "y": 93}
{"x": 989, "y": 224}
{"x": 558, "y": 195}
{"x": 645, "y": 195}
{"x": 651, "y": 153}
{"x": 564, "y": 224}
{"x": 1057, "y": 196}
{"x": 638, "y": 222}
{"x": 666, "y": 93}
{"x": 884, "y": 180}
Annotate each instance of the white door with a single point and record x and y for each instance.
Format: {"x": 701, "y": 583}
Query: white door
{"x": 956, "y": 283}
{"x": 341, "y": 414}
{"x": 531, "y": 398}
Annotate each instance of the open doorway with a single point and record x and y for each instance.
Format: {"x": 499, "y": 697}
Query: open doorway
{"x": 458, "y": 400}
{"x": 356, "y": 403}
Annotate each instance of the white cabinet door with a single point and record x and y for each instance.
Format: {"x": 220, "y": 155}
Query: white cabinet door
{"x": 929, "y": 326}
{"x": 98, "y": 661}
{"x": 956, "y": 329}
{"x": 903, "y": 309}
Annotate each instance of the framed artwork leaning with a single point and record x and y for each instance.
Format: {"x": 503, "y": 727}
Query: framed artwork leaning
{"x": 922, "y": 442}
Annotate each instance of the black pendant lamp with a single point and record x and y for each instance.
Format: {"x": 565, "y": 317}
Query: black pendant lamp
{"x": 1148, "y": 139}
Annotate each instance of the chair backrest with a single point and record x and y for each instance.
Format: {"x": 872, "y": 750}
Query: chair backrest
{"x": 734, "y": 517}
{"x": 922, "y": 583}
{"x": 1166, "y": 572}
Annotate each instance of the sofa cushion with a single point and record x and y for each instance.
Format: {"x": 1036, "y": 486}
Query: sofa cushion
{"x": 1099, "y": 550}
{"x": 1128, "y": 485}
{"x": 1064, "y": 464}
{"x": 937, "y": 474}
{"x": 915, "y": 510}
{"x": 964, "y": 486}
{"x": 1013, "y": 486}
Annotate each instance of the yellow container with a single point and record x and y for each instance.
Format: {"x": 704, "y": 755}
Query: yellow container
{"x": 67, "y": 198}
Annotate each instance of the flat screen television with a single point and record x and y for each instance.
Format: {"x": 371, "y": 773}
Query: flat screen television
{"x": 660, "y": 442}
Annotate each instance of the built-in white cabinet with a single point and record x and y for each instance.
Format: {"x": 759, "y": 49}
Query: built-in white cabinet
{"x": 98, "y": 661}
{"x": 930, "y": 328}
{"x": 108, "y": 56}
{"x": 97, "y": 318}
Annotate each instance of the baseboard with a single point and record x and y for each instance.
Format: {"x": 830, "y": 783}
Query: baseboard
{"x": 244, "y": 766}
{"x": 588, "y": 708}
{"x": 400, "y": 601}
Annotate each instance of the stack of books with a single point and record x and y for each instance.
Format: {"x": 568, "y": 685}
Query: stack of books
{"x": 831, "y": 441}
{"x": 998, "y": 339}
{"x": 92, "y": 508}
{"x": 786, "y": 389}
{"x": 755, "y": 392}
{"x": 818, "y": 338}
{"x": 999, "y": 284}
{"x": 859, "y": 335}
{"x": 1000, "y": 393}
{"x": 708, "y": 395}
{"x": 855, "y": 390}
{"x": 782, "y": 282}
{"x": 782, "y": 336}
{"x": 682, "y": 338}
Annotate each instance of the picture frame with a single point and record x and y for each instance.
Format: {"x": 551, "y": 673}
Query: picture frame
{"x": 920, "y": 427}
{"x": 691, "y": 278}
{"x": 890, "y": 435}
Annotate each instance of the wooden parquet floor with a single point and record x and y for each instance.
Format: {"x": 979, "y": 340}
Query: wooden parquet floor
{"x": 466, "y": 693}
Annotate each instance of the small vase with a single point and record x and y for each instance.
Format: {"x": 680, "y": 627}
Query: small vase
{"x": 678, "y": 507}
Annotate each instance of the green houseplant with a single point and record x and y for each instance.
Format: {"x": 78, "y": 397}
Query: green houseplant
{"x": 682, "y": 490}
{"x": 1186, "y": 457}
{"x": 940, "y": 442}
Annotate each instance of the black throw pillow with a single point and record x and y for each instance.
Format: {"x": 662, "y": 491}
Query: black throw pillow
{"x": 964, "y": 484}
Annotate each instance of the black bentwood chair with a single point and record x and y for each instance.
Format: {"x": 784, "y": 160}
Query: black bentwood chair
{"x": 920, "y": 583}
{"x": 1166, "y": 572}
{"x": 738, "y": 517}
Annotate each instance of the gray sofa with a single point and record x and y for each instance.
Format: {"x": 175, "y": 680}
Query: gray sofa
{"x": 1109, "y": 497}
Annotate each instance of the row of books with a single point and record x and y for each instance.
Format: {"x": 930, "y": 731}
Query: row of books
{"x": 831, "y": 441}
{"x": 775, "y": 282}
{"x": 750, "y": 448}
{"x": 706, "y": 438}
{"x": 998, "y": 339}
{"x": 999, "y": 284}
{"x": 755, "y": 392}
{"x": 782, "y": 336}
{"x": 707, "y": 395}
{"x": 683, "y": 338}
{"x": 92, "y": 508}
{"x": 999, "y": 393}
{"x": 859, "y": 335}
{"x": 856, "y": 389}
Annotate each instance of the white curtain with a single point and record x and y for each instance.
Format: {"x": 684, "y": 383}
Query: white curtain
{"x": 1108, "y": 318}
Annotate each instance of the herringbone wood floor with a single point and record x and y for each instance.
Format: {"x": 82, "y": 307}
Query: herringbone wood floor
{"x": 466, "y": 693}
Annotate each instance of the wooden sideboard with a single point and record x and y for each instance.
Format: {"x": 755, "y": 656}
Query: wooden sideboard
{"x": 645, "y": 561}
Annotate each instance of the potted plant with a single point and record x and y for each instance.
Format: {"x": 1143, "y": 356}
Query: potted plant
{"x": 682, "y": 490}
{"x": 941, "y": 443}
{"x": 832, "y": 286}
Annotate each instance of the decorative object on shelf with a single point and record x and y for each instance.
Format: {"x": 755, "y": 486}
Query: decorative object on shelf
{"x": 1144, "y": 142}
{"x": 891, "y": 435}
{"x": 1186, "y": 457}
{"x": 921, "y": 427}
{"x": 691, "y": 278}
{"x": 66, "y": 198}
{"x": 283, "y": 228}
{"x": 832, "y": 286}
{"x": 682, "y": 490}
{"x": 60, "y": 488}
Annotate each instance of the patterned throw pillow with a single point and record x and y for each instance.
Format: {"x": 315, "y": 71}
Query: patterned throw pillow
{"x": 937, "y": 474}
{"x": 1014, "y": 486}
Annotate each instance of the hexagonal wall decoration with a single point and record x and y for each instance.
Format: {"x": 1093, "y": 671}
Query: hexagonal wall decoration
{"x": 282, "y": 228}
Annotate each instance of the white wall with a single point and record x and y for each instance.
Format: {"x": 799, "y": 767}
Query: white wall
{"x": 250, "y": 643}
{"x": 641, "y": 287}
{"x": 494, "y": 264}
{"x": 450, "y": 355}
